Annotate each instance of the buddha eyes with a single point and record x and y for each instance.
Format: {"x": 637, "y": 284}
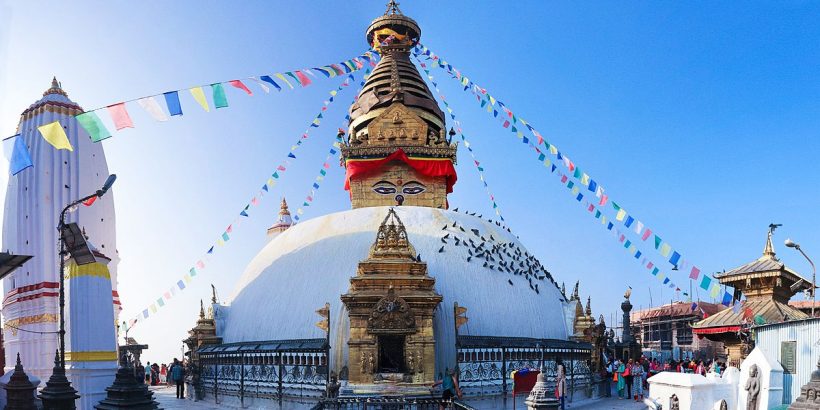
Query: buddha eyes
{"x": 384, "y": 188}
{"x": 413, "y": 188}
{"x": 387, "y": 188}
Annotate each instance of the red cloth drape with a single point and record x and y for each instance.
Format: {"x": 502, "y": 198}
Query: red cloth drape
{"x": 431, "y": 167}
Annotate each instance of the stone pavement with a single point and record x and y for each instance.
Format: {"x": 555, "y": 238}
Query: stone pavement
{"x": 166, "y": 396}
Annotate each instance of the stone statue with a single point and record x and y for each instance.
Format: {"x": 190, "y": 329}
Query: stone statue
{"x": 364, "y": 363}
{"x": 674, "y": 402}
{"x": 419, "y": 362}
{"x": 724, "y": 405}
{"x": 753, "y": 388}
{"x": 371, "y": 365}
{"x": 397, "y": 118}
{"x": 410, "y": 363}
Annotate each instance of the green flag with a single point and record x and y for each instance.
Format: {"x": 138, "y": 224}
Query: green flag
{"x": 220, "y": 100}
{"x": 92, "y": 124}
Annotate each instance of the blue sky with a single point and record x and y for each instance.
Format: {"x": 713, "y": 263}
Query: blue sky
{"x": 701, "y": 119}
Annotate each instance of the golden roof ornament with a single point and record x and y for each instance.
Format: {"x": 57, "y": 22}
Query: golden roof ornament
{"x": 56, "y": 88}
{"x": 768, "y": 250}
{"x": 283, "y": 208}
{"x": 588, "y": 311}
{"x": 391, "y": 240}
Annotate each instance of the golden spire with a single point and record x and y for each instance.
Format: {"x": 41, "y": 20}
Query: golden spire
{"x": 589, "y": 306}
{"x": 575, "y": 295}
{"x": 392, "y": 8}
{"x": 56, "y": 88}
{"x": 768, "y": 250}
{"x": 283, "y": 208}
{"x": 391, "y": 240}
{"x": 201, "y": 309}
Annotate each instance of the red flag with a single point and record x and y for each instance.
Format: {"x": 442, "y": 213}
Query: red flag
{"x": 604, "y": 197}
{"x": 90, "y": 201}
{"x": 646, "y": 234}
{"x": 695, "y": 273}
{"x": 506, "y": 124}
{"x": 238, "y": 84}
{"x": 303, "y": 79}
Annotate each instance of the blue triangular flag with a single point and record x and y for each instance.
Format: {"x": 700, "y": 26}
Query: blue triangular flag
{"x": 20, "y": 157}
{"x": 290, "y": 155}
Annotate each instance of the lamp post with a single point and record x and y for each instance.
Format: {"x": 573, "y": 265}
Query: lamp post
{"x": 791, "y": 244}
{"x": 58, "y": 393}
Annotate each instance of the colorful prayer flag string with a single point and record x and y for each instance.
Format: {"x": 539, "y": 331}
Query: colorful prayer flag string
{"x": 493, "y": 106}
{"x": 467, "y": 143}
{"x": 226, "y": 235}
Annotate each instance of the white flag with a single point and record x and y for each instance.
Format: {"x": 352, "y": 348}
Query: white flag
{"x": 152, "y": 106}
{"x": 261, "y": 84}
{"x": 638, "y": 227}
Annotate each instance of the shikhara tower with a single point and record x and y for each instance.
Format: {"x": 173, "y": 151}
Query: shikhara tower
{"x": 34, "y": 200}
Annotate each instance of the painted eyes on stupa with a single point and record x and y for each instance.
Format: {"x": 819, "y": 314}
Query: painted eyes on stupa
{"x": 388, "y": 188}
{"x": 413, "y": 188}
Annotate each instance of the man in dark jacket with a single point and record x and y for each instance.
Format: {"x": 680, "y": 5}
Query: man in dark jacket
{"x": 178, "y": 376}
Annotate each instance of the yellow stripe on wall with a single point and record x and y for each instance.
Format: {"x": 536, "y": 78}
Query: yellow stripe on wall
{"x": 97, "y": 356}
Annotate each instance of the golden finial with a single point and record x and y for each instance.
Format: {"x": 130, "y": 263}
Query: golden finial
{"x": 201, "y": 309}
{"x": 768, "y": 250}
{"x": 589, "y": 306}
{"x": 283, "y": 208}
{"x": 392, "y": 8}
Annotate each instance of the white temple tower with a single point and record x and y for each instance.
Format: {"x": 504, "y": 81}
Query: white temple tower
{"x": 34, "y": 200}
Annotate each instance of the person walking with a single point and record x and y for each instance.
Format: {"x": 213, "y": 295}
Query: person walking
{"x": 148, "y": 372}
{"x": 619, "y": 378}
{"x": 449, "y": 387}
{"x": 178, "y": 375}
{"x": 561, "y": 384}
{"x": 608, "y": 374}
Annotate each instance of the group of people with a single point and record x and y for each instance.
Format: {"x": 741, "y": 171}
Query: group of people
{"x": 173, "y": 374}
{"x": 631, "y": 376}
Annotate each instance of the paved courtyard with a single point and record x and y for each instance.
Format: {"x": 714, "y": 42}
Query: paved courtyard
{"x": 166, "y": 396}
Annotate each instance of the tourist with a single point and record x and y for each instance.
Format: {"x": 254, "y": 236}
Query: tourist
{"x": 619, "y": 378}
{"x": 628, "y": 379}
{"x": 148, "y": 372}
{"x": 178, "y": 375}
{"x": 163, "y": 374}
{"x": 154, "y": 374}
{"x": 609, "y": 371}
{"x": 561, "y": 383}
{"x": 637, "y": 374}
{"x": 449, "y": 387}
{"x": 139, "y": 373}
{"x": 700, "y": 369}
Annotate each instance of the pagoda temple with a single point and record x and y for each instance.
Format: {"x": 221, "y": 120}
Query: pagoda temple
{"x": 768, "y": 284}
{"x": 375, "y": 302}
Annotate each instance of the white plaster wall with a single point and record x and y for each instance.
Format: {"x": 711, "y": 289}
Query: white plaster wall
{"x": 771, "y": 380}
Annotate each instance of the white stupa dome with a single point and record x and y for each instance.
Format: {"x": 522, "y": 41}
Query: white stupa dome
{"x": 312, "y": 262}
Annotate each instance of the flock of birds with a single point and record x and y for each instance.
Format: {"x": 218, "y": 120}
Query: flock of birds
{"x": 494, "y": 254}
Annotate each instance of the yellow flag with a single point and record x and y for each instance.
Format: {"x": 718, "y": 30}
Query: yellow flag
{"x": 621, "y": 215}
{"x": 715, "y": 290}
{"x": 585, "y": 179}
{"x": 665, "y": 249}
{"x": 199, "y": 96}
{"x": 54, "y": 134}
{"x": 281, "y": 77}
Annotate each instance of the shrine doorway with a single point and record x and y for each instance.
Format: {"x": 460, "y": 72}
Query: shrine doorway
{"x": 391, "y": 354}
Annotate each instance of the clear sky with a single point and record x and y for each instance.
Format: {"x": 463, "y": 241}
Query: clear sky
{"x": 701, "y": 119}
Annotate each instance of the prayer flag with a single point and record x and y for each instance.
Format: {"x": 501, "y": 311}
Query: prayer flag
{"x": 90, "y": 201}
{"x": 267, "y": 79}
{"x": 629, "y": 220}
{"x": 93, "y": 126}
{"x": 303, "y": 79}
{"x": 172, "y": 101}
{"x": 240, "y": 85}
{"x": 715, "y": 290}
{"x": 665, "y": 249}
{"x": 200, "y": 264}
{"x": 225, "y": 236}
{"x": 695, "y": 273}
{"x": 639, "y": 227}
{"x": 145, "y": 313}
{"x": 54, "y": 134}
{"x": 150, "y": 105}
{"x": 646, "y": 234}
{"x": 262, "y": 85}
{"x": 620, "y": 216}
{"x": 657, "y": 241}
{"x": 604, "y": 198}
{"x": 199, "y": 96}
{"x": 727, "y": 299}
{"x": 593, "y": 186}
{"x": 160, "y": 302}
{"x": 181, "y": 285}
{"x": 675, "y": 258}
{"x": 120, "y": 116}
{"x": 281, "y": 77}
{"x": 220, "y": 99}
{"x": 705, "y": 282}
{"x": 655, "y": 271}
{"x": 20, "y": 157}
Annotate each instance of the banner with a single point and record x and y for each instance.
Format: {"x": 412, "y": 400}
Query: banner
{"x": 227, "y": 234}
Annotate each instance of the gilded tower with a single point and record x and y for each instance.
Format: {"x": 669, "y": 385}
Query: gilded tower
{"x": 391, "y": 302}
{"x": 398, "y": 151}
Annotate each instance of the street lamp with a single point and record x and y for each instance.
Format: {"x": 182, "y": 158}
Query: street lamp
{"x": 791, "y": 244}
{"x": 58, "y": 393}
